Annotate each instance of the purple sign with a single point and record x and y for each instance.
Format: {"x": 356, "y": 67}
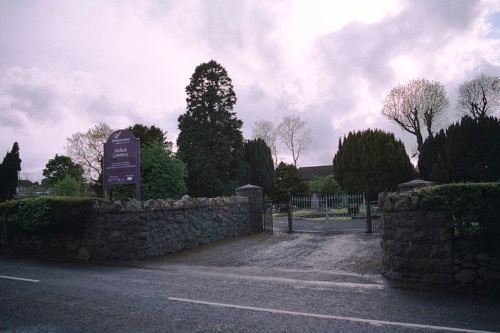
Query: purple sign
{"x": 121, "y": 160}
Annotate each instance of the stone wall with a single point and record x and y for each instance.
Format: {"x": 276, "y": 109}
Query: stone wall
{"x": 139, "y": 230}
{"x": 473, "y": 268}
{"x": 419, "y": 246}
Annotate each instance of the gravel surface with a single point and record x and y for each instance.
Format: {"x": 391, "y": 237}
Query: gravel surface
{"x": 358, "y": 253}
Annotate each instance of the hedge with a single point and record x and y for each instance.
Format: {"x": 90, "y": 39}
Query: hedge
{"x": 474, "y": 210}
{"x": 47, "y": 213}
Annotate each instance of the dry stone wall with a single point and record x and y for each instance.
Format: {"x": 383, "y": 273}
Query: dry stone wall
{"x": 419, "y": 246}
{"x": 140, "y": 230}
{"x": 157, "y": 227}
{"x": 417, "y": 243}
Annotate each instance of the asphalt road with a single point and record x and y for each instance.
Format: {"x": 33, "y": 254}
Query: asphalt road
{"x": 225, "y": 287}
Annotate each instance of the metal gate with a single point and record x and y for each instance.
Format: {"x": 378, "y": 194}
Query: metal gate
{"x": 267, "y": 218}
{"x": 334, "y": 213}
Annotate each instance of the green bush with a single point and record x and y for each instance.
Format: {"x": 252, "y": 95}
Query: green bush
{"x": 48, "y": 213}
{"x": 67, "y": 187}
{"x": 31, "y": 214}
{"x": 474, "y": 210}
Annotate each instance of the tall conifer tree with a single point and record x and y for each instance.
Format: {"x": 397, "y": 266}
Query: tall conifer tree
{"x": 468, "y": 151}
{"x": 9, "y": 171}
{"x": 259, "y": 158}
{"x": 210, "y": 141}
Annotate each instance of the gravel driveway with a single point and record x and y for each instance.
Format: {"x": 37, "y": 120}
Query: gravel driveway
{"x": 357, "y": 253}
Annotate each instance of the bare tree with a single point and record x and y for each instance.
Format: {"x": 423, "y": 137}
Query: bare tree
{"x": 264, "y": 129}
{"x": 416, "y": 107}
{"x": 479, "y": 97}
{"x": 87, "y": 149}
{"x": 295, "y": 135}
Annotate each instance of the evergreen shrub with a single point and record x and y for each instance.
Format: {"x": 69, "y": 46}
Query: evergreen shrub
{"x": 47, "y": 213}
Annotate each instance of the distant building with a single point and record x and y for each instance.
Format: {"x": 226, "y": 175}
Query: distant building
{"x": 308, "y": 173}
{"x": 24, "y": 188}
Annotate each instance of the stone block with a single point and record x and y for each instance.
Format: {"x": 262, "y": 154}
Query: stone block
{"x": 437, "y": 278}
{"x": 402, "y": 202}
{"x": 483, "y": 257}
{"x": 417, "y": 251}
{"x": 495, "y": 261}
{"x": 441, "y": 250}
{"x": 470, "y": 264}
{"x": 83, "y": 254}
{"x": 465, "y": 276}
{"x": 434, "y": 265}
{"x": 470, "y": 257}
{"x": 117, "y": 235}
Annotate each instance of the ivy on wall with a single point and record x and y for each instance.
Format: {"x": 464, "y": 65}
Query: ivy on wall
{"x": 474, "y": 210}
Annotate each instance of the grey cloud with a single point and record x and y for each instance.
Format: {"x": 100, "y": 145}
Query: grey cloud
{"x": 366, "y": 49}
{"x": 236, "y": 26}
{"x": 29, "y": 93}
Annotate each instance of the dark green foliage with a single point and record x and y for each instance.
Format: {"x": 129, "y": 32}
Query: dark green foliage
{"x": 58, "y": 168}
{"x": 324, "y": 185}
{"x": 150, "y": 135}
{"x": 467, "y": 151}
{"x": 162, "y": 176}
{"x": 210, "y": 141}
{"x": 67, "y": 187}
{"x": 474, "y": 210}
{"x": 288, "y": 180}
{"x": 433, "y": 161}
{"x": 49, "y": 214}
{"x": 260, "y": 161}
{"x": 9, "y": 170}
{"x": 371, "y": 160}
{"x": 32, "y": 214}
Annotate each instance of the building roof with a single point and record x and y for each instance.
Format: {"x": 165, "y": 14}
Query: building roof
{"x": 24, "y": 182}
{"x": 309, "y": 173}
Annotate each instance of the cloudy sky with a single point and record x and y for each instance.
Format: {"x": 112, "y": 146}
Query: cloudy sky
{"x": 67, "y": 65}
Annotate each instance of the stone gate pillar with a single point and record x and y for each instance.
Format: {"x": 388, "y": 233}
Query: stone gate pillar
{"x": 256, "y": 198}
{"x": 417, "y": 242}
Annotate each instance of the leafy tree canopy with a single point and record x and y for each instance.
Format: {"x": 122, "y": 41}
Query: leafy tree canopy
{"x": 162, "y": 176}
{"x": 67, "y": 187}
{"x": 210, "y": 141}
{"x": 324, "y": 185}
{"x": 371, "y": 160}
{"x": 151, "y": 135}
{"x": 58, "y": 168}
{"x": 288, "y": 180}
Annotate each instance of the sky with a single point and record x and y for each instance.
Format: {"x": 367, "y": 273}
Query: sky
{"x": 67, "y": 65}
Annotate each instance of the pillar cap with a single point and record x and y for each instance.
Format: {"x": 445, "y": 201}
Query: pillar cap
{"x": 249, "y": 187}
